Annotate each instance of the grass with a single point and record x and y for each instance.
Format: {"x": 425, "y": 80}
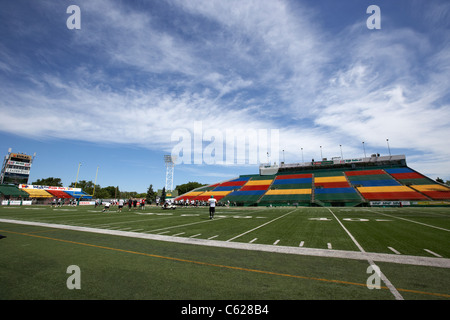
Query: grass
{"x": 34, "y": 259}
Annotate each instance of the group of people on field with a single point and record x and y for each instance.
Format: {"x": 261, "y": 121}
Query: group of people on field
{"x": 132, "y": 203}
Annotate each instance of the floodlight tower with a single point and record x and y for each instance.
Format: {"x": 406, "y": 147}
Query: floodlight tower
{"x": 170, "y": 165}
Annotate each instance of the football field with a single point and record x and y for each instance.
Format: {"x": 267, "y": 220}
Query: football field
{"x": 256, "y": 253}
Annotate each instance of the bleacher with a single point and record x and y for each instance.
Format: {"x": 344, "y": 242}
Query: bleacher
{"x": 249, "y": 194}
{"x": 333, "y": 188}
{"x": 11, "y": 191}
{"x": 342, "y": 186}
{"x": 289, "y": 189}
{"x": 420, "y": 183}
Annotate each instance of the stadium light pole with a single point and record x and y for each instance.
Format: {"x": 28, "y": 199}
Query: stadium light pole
{"x": 364, "y": 148}
{"x": 342, "y": 157}
{"x": 321, "y": 157}
{"x": 170, "y": 164}
{"x": 302, "y": 155}
{"x": 389, "y": 149}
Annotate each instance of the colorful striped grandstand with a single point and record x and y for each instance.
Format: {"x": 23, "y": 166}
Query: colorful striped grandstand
{"x": 361, "y": 182}
{"x": 41, "y": 192}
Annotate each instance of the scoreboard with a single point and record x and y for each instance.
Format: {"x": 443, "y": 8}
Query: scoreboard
{"x": 16, "y": 168}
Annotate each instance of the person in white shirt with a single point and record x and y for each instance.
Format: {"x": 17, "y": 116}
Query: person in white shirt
{"x": 121, "y": 202}
{"x": 107, "y": 204}
{"x": 212, "y": 207}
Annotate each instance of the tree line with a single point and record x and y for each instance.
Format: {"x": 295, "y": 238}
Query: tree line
{"x": 113, "y": 192}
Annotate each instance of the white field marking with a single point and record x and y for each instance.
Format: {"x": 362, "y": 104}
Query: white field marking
{"x": 135, "y": 230}
{"x": 195, "y": 235}
{"x": 424, "y": 224}
{"x": 186, "y": 224}
{"x": 345, "y": 254}
{"x": 433, "y": 253}
{"x": 393, "y": 250}
{"x": 264, "y": 224}
{"x": 301, "y": 243}
{"x": 133, "y": 221}
{"x": 329, "y": 246}
{"x": 163, "y": 232}
{"x": 276, "y": 242}
{"x": 388, "y": 283}
{"x": 253, "y": 240}
{"x": 177, "y": 234}
{"x": 213, "y": 237}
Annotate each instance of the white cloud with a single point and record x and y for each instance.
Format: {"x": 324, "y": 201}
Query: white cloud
{"x": 235, "y": 65}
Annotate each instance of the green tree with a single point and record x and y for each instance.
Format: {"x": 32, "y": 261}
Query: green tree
{"x": 184, "y": 188}
{"x": 110, "y": 192}
{"x": 54, "y": 182}
{"x": 151, "y": 194}
{"x": 163, "y": 195}
{"x": 87, "y": 186}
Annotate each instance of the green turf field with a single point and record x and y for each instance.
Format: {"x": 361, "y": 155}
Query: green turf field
{"x": 244, "y": 253}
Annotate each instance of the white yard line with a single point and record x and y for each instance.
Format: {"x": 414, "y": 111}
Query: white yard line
{"x": 177, "y": 234}
{"x": 388, "y": 283}
{"x": 195, "y": 235}
{"x": 393, "y": 250}
{"x": 264, "y": 224}
{"x": 412, "y": 221}
{"x": 301, "y": 243}
{"x": 329, "y": 246}
{"x": 433, "y": 253}
{"x": 276, "y": 242}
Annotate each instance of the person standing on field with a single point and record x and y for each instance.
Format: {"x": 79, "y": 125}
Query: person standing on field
{"x": 212, "y": 207}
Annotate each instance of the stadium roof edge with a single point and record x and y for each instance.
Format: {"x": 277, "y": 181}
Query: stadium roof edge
{"x": 374, "y": 159}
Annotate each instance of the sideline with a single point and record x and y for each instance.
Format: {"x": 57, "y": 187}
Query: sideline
{"x": 355, "y": 255}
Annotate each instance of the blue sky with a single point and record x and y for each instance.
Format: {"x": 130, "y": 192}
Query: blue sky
{"x": 114, "y": 93}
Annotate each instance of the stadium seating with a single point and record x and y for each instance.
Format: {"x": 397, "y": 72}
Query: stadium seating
{"x": 407, "y": 176}
{"x": 380, "y": 185}
{"x": 433, "y": 191}
{"x": 420, "y": 183}
{"x": 78, "y": 194}
{"x": 332, "y": 188}
{"x": 59, "y": 194}
{"x": 390, "y": 193}
{"x": 7, "y": 190}
{"x": 189, "y": 196}
{"x": 370, "y": 178}
{"x": 337, "y": 187}
{"x": 251, "y": 191}
{"x": 38, "y": 193}
{"x": 289, "y": 189}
